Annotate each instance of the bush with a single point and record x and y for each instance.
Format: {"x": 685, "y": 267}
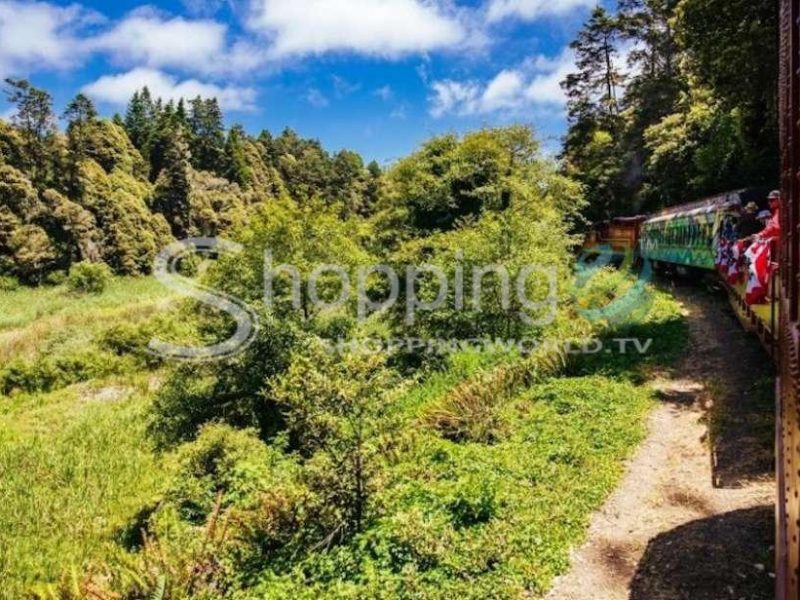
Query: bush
{"x": 55, "y": 278}
{"x": 8, "y": 283}
{"x": 89, "y": 278}
{"x": 45, "y": 374}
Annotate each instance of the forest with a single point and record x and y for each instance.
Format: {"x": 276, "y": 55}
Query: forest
{"x": 672, "y": 101}
{"x": 290, "y": 471}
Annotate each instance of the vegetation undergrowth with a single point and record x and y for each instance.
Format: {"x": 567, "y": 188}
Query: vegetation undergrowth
{"x": 289, "y": 470}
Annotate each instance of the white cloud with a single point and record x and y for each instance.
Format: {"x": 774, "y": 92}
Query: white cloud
{"x": 545, "y": 87}
{"x": 342, "y": 87}
{"x": 386, "y": 28}
{"x": 385, "y": 93}
{"x": 455, "y": 96}
{"x": 40, "y": 36}
{"x": 118, "y": 89}
{"x": 147, "y": 38}
{"x": 530, "y": 10}
{"x": 503, "y": 91}
{"x": 535, "y": 84}
{"x": 316, "y": 98}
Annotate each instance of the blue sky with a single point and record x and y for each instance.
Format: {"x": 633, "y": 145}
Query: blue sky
{"x": 377, "y": 76}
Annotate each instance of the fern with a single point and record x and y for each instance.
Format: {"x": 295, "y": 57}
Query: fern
{"x": 161, "y": 589}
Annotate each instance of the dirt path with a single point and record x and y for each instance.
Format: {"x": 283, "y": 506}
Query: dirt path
{"x": 693, "y": 518}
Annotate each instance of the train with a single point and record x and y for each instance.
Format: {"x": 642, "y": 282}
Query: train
{"x": 686, "y": 239}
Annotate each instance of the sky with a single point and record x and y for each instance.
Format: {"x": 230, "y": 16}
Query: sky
{"x": 375, "y": 76}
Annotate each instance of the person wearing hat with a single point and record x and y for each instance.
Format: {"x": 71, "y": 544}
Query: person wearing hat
{"x": 773, "y": 229}
{"x": 749, "y": 225}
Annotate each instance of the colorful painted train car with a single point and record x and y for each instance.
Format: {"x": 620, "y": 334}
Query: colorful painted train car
{"x": 689, "y": 235}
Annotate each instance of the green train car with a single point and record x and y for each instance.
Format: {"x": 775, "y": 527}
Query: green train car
{"x": 689, "y": 235}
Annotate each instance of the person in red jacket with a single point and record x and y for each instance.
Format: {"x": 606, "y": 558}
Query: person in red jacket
{"x": 773, "y": 228}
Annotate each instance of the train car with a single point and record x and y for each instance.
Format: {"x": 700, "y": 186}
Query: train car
{"x": 787, "y": 547}
{"x": 619, "y": 235}
{"x": 688, "y": 236}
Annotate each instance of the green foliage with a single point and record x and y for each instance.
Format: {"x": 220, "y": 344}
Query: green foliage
{"x": 530, "y": 229}
{"x": 117, "y": 190}
{"x": 171, "y": 195}
{"x": 336, "y": 411}
{"x": 301, "y": 236}
{"x": 207, "y": 140}
{"x": 215, "y": 205}
{"x": 8, "y": 283}
{"x": 88, "y": 278}
{"x": 450, "y": 178}
{"x": 36, "y": 122}
{"x": 698, "y": 114}
{"x": 45, "y": 374}
{"x": 231, "y": 391}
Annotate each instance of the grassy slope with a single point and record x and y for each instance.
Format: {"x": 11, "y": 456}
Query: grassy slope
{"x": 466, "y": 519}
{"x": 75, "y": 466}
{"x": 33, "y": 318}
{"x": 475, "y": 520}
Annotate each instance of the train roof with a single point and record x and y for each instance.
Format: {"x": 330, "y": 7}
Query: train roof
{"x": 713, "y": 204}
{"x": 623, "y": 221}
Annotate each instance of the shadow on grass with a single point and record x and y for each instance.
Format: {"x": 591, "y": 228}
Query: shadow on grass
{"x": 664, "y": 341}
{"x": 708, "y": 362}
{"x": 724, "y": 556}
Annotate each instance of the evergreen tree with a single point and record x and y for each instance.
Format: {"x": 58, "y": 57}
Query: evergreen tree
{"x": 173, "y": 185}
{"x": 36, "y": 121}
{"x": 137, "y": 120}
{"x": 372, "y": 193}
{"x": 80, "y": 114}
{"x": 237, "y": 169}
{"x": 207, "y": 135}
{"x": 594, "y": 90}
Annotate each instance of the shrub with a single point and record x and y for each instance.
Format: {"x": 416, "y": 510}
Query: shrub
{"x": 89, "y": 278}
{"x": 337, "y": 413}
{"x": 55, "y": 278}
{"x": 50, "y": 373}
{"x": 8, "y": 283}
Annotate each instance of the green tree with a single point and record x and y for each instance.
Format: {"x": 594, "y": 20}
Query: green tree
{"x": 207, "y": 136}
{"x": 338, "y": 414}
{"x": 731, "y": 48}
{"x": 172, "y": 190}
{"x": 593, "y": 91}
{"x": 80, "y": 114}
{"x": 237, "y": 167}
{"x": 139, "y": 120}
{"x": 36, "y": 121}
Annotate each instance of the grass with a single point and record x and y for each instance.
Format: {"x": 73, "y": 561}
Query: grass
{"x": 473, "y": 517}
{"x": 75, "y": 467}
{"x": 24, "y": 306}
{"x": 75, "y": 464}
{"x": 37, "y": 319}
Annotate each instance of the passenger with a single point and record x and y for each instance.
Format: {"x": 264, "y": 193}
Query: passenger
{"x": 773, "y": 229}
{"x": 763, "y": 217}
{"x": 749, "y": 225}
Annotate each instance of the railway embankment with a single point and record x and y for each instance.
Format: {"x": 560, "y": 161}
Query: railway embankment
{"x": 694, "y": 515}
